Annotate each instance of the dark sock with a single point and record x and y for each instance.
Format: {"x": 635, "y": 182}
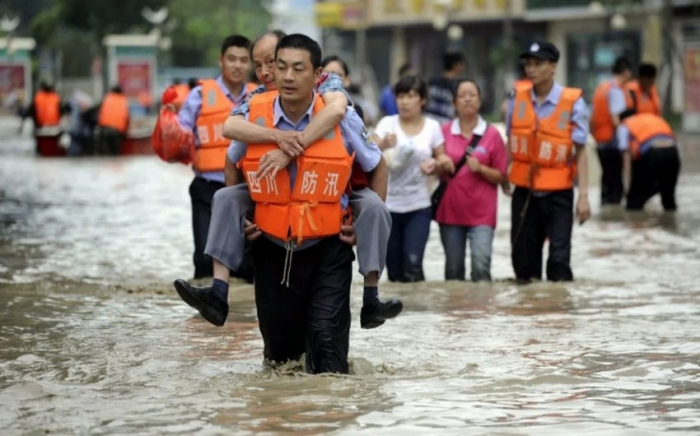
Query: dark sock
{"x": 371, "y": 295}
{"x": 220, "y": 289}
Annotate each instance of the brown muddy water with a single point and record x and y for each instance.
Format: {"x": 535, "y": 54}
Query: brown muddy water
{"x": 93, "y": 339}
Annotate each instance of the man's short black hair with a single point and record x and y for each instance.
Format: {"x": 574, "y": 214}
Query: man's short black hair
{"x": 279, "y": 34}
{"x": 235, "y": 41}
{"x": 410, "y": 83}
{"x": 405, "y": 69}
{"x": 647, "y": 71}
{"x": 450, "y": 60}
{"x": 333, "y": 58}
{"x": 621, "y": 65}
{"x": 302, "y": 42}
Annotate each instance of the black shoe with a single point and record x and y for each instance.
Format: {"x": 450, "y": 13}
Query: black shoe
{"x": 374, "y": 315}
{"x": 211, "y": 308}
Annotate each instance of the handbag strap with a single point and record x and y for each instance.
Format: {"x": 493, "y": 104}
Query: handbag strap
{"x": 468, "y": 152}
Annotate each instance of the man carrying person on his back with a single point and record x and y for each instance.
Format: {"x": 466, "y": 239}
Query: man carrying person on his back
{"x": 303, "y": 269}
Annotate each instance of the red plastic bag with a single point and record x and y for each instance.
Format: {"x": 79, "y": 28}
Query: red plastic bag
{"x": 170, "y": 141}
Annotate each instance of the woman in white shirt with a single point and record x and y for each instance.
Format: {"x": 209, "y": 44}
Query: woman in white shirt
{"x": 417, "y": 151}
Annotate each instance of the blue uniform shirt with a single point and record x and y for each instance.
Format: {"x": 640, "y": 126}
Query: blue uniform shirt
{"x": 579, "y": 115}
{"x": 623, "y": 140}
{"x": 616, "y": 100}
{"x": 189, "y": 113}
{"x": 355, "y": 136}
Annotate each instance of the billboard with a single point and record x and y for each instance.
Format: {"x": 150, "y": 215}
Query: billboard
{"x": 13, "y": 84}
{"x": 134, "y": 77}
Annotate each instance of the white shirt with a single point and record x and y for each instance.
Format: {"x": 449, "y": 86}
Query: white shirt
{"x": 479, "y": 129}
{"x": 408, "y": 188}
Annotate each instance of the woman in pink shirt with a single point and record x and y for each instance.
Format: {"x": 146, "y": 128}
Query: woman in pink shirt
{"x": 468, "y": 208}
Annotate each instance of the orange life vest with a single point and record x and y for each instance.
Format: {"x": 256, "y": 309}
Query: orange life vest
{"x": 643, "y": 127}
{"x": 311, "y": 208}
{"x": 602, "y": 127}
{"x": 542, "y": 148}
{"x": 114, "y": 112}
{"x": 521, "y": 83}
{"x": 640, "y": 102}
{"x": 216, "y": 107}
{"x": 47, "y": 108}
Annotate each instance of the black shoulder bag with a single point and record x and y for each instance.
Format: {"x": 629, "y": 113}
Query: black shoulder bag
{"x": 442, "y": 187}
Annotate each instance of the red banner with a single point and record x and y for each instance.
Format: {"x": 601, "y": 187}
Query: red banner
{"x": 12, "y": 79}
{"x": 134, "y": 77}
{"x": 691, "y": 60}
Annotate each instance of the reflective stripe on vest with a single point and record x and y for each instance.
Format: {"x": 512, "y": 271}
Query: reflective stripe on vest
{"x": 542, "y": 149}
{"x": 47, "y": 108}
{"x": 643, "y": 127}
{"x": 311, "y": 208}
{"x": 114, "y": 112}
{"x": 216, "y": 107}
{"x": 642, "y": 103}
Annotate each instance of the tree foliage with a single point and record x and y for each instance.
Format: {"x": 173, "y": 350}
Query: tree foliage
{"x": 76, "y": 27}
{"x": 197, "y": 38}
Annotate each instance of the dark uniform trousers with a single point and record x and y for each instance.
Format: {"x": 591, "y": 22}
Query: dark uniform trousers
{"x": 547, "y": 216}
{"x": 110, "y": 141}
{"x": 312, "y": 315}
{"x": 656, "y": 171}
{"x": 611, "y": 174}
{"x": 201, "y": 193}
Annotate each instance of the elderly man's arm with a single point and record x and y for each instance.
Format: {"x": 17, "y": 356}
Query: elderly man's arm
{"x": 378, "y": 179}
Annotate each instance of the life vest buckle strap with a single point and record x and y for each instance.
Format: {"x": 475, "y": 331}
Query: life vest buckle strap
{"x": 305, "y": 212}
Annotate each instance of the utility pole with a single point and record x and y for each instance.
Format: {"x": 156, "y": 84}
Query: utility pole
{"x": 508, "y": 47}
{"x": 669, "y": 48}
{"x": 361, "y": 43}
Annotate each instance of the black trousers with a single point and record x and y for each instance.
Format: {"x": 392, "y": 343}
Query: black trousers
{"x": 110, "y": 141}
{"x": 654, "y": 172}
{"x": 201, "y": 194}
{"x": 312, "y": 315}
{"x": 611, "y": 178}
{"x": 549, "y": 216}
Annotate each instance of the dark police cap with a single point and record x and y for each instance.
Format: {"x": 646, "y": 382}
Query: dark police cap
{"x": 542, "y": 50}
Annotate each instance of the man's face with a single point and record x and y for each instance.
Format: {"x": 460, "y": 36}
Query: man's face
{"x": 264, "y": 60}
{"x": 539, "y": 71}
{"x": 295, "y": 75}
{"x": 235, "y": 64}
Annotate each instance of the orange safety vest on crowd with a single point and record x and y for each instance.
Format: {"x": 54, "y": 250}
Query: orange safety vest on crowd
{"x": 47, "y": 108}
{"x": 311, "y": 208}
{"x": 542, "y": 148}
{"x": 521, "y": 83}
{"x": 114, "y": 112}
{"x": 216, "y": 107}
{"x": 643, "y": 127}
{"x": 640, "y": 102}
{"x": 602, "y": 127}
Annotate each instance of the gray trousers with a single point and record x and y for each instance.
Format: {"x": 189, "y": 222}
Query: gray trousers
{"x": 226, "y": 239}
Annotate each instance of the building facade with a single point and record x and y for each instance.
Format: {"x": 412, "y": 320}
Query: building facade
{"x": 490, "y": 33}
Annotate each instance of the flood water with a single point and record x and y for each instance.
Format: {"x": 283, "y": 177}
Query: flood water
{"x": 93, "y": 339}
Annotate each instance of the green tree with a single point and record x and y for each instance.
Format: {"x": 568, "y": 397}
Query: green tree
{"x": 197, "y": 38}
